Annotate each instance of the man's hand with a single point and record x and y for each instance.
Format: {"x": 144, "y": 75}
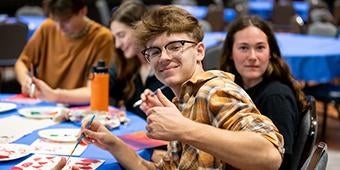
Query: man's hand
{"x": 165, "y": 121}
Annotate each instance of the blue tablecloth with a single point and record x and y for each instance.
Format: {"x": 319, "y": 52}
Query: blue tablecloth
{"x": 136, "y": 124}
{"x": 310, "y": 58}
{"x": 264, "y": 9}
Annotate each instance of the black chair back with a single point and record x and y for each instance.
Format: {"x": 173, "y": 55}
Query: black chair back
{"x": 303, "y": 145}
{"x": 12, "y": 41}
{"x": 212, "y": 57}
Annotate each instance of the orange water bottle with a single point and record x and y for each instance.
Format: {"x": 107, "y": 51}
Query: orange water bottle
{"x": 100, "y": 87}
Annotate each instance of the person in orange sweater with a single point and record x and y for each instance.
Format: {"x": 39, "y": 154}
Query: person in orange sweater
{"x": 62, "y": 52}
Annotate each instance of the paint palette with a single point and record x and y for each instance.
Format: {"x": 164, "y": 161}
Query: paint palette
{"x": 4, "y": 107}
{"x": 60, "y": 135}
{"x": 40, "y": 112}
{"x": 13, "y": 151}
{"x": 39, "y": 161}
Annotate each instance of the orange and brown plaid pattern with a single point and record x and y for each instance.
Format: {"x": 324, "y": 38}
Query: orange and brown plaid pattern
{"x": 213, "y": 98}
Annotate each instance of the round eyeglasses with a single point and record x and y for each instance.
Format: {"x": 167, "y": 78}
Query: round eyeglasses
{"x": 173, "y": 48}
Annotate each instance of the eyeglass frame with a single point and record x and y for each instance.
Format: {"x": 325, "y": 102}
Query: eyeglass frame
{"x": 165, "y": 47}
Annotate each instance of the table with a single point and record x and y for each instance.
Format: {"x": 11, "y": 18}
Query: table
{"x": 136, "y": 124}
{"x": 264, "y": 9}
{"x": 310, "y": 58}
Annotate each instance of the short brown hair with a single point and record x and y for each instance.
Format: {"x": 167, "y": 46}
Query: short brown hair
{"x": 168, "y": 19}
{"x": 63, "y": 8}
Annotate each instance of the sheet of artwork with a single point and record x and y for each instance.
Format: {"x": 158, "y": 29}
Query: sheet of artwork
{"x": 4, "y": 107}
{"x": 13, "y": 151}
{"x": 15, "y": 127}
{"x": 45, "y": 146}
{"x": 40, "y": 161}
{"x": 22, "y": 99}
{"x": 139, "y": 140}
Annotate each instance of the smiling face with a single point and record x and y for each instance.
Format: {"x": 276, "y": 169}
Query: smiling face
{"x": 176, "y": 67}
{"x": 125, "y": 39}
{"x": 251, "y": 54}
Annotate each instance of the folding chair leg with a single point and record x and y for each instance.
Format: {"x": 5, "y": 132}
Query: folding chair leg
{"x": 337, "y": 107}
{"x": 324, "y": 123}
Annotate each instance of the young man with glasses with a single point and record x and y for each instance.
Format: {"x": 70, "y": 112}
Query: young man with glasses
{"x": 211, "y": 123}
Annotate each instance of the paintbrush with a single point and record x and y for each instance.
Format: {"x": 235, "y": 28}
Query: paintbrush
{"x": 32, "y": 73}
{"x": 80, "y": 138}
{"x": 137, "y": 103}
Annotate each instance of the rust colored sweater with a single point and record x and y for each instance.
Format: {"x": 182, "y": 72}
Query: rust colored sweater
{"x": 63, "y": 62}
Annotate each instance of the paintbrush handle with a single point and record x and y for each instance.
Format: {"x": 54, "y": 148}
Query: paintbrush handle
{"x": 138, "y": 102}
{"x": 81, "y": 137}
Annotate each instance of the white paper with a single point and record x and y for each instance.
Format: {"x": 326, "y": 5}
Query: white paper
{"x": 14, "y": 127}
{"x": 45, "y": 146}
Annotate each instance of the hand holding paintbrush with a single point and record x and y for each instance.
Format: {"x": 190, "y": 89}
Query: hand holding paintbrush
{"x": 139, "y": 102}
{"x": 31, "y": 85}
{"x": 81, "y": 137}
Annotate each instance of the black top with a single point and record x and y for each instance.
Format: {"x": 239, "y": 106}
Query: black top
{"x": 152, "y": 83}
{"x": 277, "y": 101}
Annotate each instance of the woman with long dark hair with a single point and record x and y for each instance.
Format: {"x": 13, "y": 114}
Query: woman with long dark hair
{"x": 252, "y": 54}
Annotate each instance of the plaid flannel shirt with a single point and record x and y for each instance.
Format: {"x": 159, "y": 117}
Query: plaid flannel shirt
{"x": 213, "y": 98}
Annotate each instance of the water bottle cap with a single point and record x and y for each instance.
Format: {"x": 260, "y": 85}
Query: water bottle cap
{"x": 101, "y": 67}
{"x": 101, "y": 63}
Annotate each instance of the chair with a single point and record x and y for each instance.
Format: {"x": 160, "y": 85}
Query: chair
{"x": 282, "y": 15}
{"x": 336, "y": 12}
{"x": 326, "y": 93}
{"x": 318, "y": 160}
{"x": 215, "y": 17}
{"x": 12, "y": 41}
{"x": 303, "y": 145}
{"x": 212, "y": 58}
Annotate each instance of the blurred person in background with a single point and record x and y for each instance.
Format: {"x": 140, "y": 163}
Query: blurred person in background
{"x": 62, "y": 52}
{"x": 130, "y": 73}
